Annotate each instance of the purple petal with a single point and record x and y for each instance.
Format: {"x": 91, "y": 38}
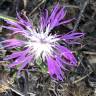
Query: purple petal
{"x": 57, "y": 18}
{"x": 26, "y": 22}
{"x": 67, "y": 54}
{"x": 24, "y": 64}
{"x": 11, "y": 28}
{"x": 12, "y": 43}
{"x": 43, "y": 19}
{"x": 54, "y": 11}
{"x": 16, "y": 54}
{"x": 18, "y": 61}
{"x": 72, "y": 36}
{"x": 18, "y": 30}
{"x": 60, "y": 62}
{"x": 65, "y": 21}
{"x": 54, "y": 68}
{"x": 14, "y": 23}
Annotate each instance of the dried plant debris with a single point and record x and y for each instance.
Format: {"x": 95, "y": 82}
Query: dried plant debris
{"x": 4, "y": 82}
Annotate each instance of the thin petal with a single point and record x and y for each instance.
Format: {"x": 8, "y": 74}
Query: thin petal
{"x": 54, "y": 69}
{"x": 67, "y": 54}
{"x": 65, "y": 21}
{"x": 26, "y": 22}
{"x": 14, "y": 24}
{"x": 25, "y": 63}
{"x": 18, "y": 61}
{"x": 72, "y": 36}
{"x": 16, "y": 54}
{"x": 12, "y": 43}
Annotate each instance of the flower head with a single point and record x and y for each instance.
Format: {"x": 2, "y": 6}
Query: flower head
{"x": 39, "y": 42}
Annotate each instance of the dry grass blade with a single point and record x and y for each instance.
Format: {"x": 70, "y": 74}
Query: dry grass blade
{"x": 80, "y": 15}
{"x": 36, "y": 7}
{"x": 25, "y": 3}
{"x": 4, "y": 80}
{"x": 4, "y": 87}
{"x": 82, "y": 78}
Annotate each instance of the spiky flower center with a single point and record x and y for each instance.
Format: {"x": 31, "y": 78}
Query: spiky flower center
{"x": 41, "y": 44}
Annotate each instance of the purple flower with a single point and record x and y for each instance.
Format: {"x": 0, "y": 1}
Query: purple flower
{"x": 39, "y": 42}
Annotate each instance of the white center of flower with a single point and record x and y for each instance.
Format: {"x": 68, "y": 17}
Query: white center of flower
{"x": 41, "y": 44}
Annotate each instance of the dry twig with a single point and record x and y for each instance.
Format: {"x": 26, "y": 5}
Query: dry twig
{"x": 80, "y": 15}
{"x": 36, "y": 7}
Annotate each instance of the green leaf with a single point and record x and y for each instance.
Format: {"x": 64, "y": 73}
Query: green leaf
{"x": 39, "y": 61}
{"x": 41, "y": 65}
